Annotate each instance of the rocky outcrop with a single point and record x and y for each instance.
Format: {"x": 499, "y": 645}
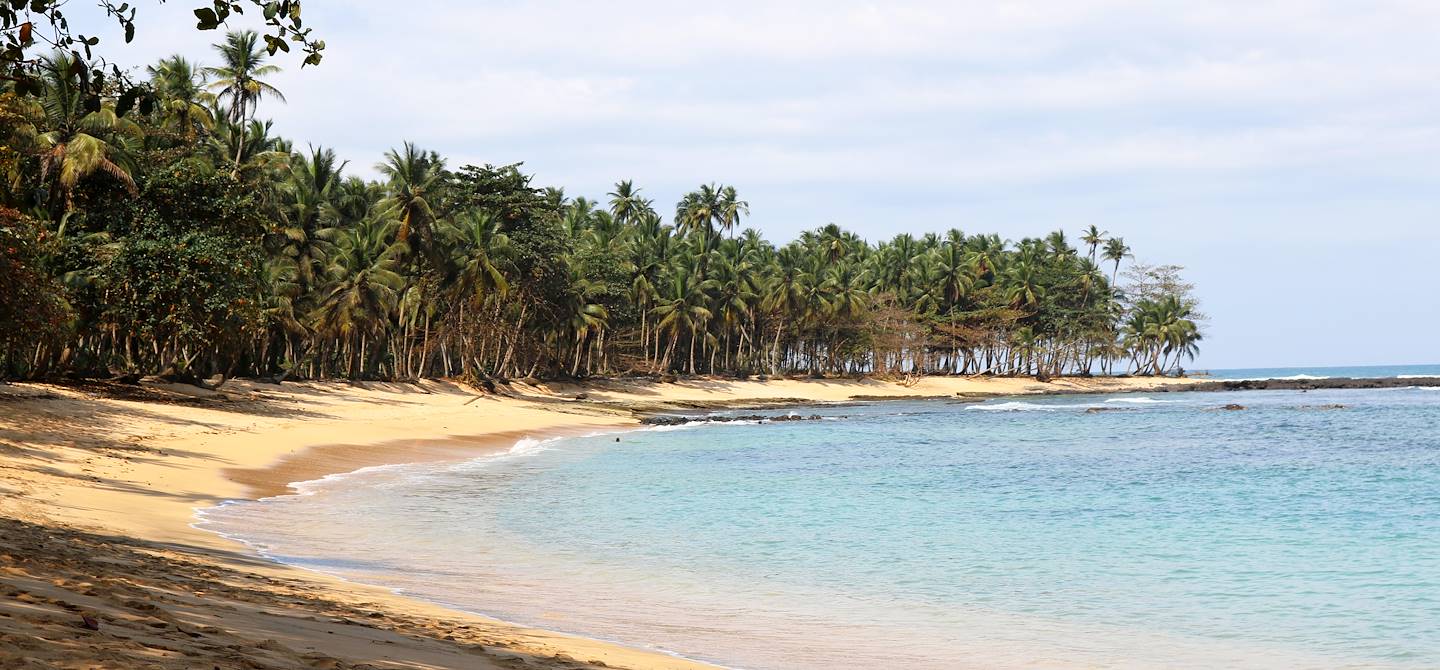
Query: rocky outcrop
{"x": 672, "y": 420}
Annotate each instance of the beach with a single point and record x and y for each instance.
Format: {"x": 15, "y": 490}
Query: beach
{"x": 99, "y": 484}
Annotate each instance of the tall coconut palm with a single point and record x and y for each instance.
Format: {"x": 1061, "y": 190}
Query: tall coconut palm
{"x": 700, "y": 210}
{"x": 732, "y": 208}
{"x": 626, "y": 203}
{"x": 1116, "y": 251}
{"x": 414, "y": 177}
{"x": 237, "y": 78}
{"x": 1092, "y": 237}
{"x": 308, "y": 196}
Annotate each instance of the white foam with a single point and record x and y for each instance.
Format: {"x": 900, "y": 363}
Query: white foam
{"x": 1142, "y": 400}
{"x": 1300, "y": 377}
{"x": 1416, "y": 376}
{"x": 1014, "y": 407}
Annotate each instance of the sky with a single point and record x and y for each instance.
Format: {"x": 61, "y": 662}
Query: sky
{"x": 1286, "y": 153}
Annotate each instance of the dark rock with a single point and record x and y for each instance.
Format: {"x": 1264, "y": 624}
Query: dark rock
{"x": 673, "y": 420}
{"x": 582, "y": 396}
{"x": 1232, "y": 406}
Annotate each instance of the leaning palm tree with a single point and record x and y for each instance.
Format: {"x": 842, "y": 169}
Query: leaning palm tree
{"x": 238, "y": 76}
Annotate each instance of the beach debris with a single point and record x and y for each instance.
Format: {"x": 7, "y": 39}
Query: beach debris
{"x": 89, "y": 622}
{"x": 582, "y": 396}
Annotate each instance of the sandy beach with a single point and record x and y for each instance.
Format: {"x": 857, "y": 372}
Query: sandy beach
{"x": 101, "y": 568}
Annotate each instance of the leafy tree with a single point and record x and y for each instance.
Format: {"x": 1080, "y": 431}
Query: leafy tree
{"x": 33, "y": 308}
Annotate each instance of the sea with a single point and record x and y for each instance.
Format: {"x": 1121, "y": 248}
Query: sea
{"x": 1142, "y": 530}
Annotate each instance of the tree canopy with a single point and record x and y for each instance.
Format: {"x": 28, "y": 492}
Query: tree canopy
{"x": 187, "y": 238}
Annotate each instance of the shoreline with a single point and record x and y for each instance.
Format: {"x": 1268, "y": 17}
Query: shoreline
{"x": 288, "y": 435}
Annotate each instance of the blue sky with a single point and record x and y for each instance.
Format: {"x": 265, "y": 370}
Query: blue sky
{"x": 1287, "y": 153}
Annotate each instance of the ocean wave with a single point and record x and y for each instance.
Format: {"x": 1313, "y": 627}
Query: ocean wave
{"x": 1416, "y": 376}
{"x": 1142, "y": 400}
{"x": 1014, "y": 407}
{"x": 1300, "y": 377}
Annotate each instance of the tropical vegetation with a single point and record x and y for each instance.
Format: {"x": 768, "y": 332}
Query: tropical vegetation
{"x": 189, "y": 240}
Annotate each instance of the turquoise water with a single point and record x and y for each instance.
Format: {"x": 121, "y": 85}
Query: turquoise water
{"x": 1352, "y": 371}
{"x": 932, "y": 534}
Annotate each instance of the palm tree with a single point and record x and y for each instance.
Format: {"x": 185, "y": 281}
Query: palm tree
{"x": 626, "y": 204}
{"x": 414, "y": 176}
{"x": 257, "y": 153}
{"x": 478, "y": 251}
{"x": 184, "y": 102}
{"x": 700, "y": 210}
{"x": 1162, "y": 327}
{"x": 731, "y": 209}
{"x": 238, "y": 76}
{"x": 310, "y": 216}
{"x": 1092, "y": 237}
{"x": 683, "y": 306}
{"x": 363, "y": 289}
{"x": 1116, "y": 251}
{"x": 75, "y": 144}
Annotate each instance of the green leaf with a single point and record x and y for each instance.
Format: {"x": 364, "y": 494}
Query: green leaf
{"x": 126, "y": 101}
{"x": 208, "y": 20}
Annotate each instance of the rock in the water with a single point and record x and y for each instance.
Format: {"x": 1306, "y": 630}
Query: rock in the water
{"x": 1232, "y": 406}
{"x": 760, "y": 418}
